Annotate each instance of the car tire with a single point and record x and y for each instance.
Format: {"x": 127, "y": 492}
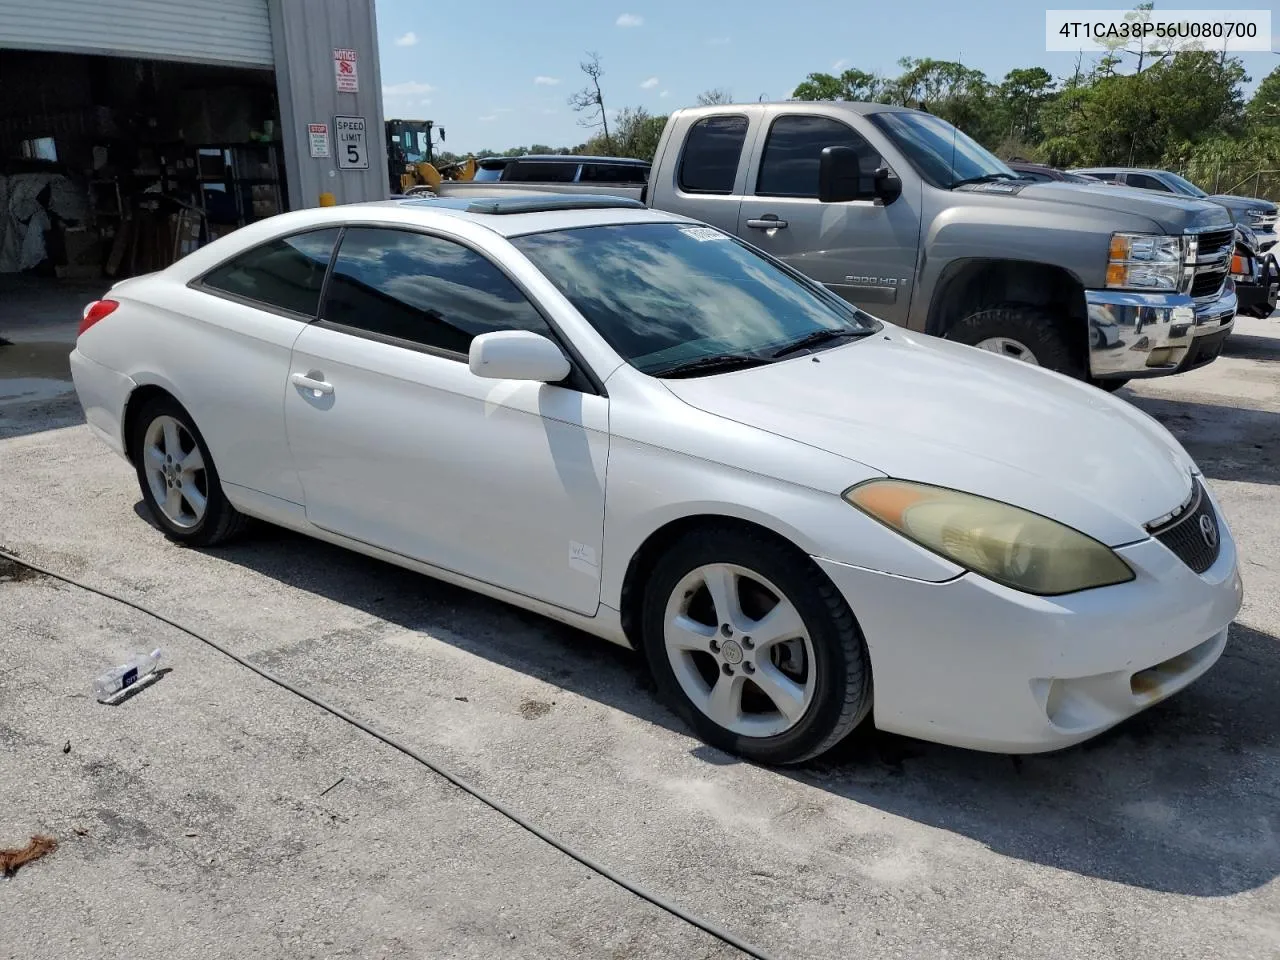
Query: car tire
{"x": 1111, "y": 386}
{"x": 1026, "y": 333}
{"x": 182, "y": 492}
{"x": 823, "y": 663}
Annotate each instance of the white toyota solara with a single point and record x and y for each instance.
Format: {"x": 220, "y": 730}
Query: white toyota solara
{"x": 641, "y": 426}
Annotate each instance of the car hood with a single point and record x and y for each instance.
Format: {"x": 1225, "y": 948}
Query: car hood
{"x": 1172, "y": 213}
{"x": 1238, "y": 205}
{"x": 919, "y": 408}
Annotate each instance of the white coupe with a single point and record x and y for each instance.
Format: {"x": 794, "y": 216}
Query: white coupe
{"x": 641, "y": 426}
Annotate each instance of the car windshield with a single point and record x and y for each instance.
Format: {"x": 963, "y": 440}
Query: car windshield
{"x": 942, "y": 154}
{"x": 1183, "y": 186}
{"x": 666, "y": 295}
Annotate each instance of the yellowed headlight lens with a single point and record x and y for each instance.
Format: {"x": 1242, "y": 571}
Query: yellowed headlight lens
{"x": 1007, "y": 544}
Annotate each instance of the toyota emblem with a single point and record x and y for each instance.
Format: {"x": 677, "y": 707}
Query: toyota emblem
{"x": 1209, "y": 531}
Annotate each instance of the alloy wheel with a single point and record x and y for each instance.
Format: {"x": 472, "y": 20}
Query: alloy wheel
{"x": 740, "y": 650}
{"x": 1008, "y": 347}
{"x": 175, "y": 472}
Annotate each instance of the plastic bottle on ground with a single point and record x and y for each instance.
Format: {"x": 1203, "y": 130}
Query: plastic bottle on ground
{"x": 126, "y": 675}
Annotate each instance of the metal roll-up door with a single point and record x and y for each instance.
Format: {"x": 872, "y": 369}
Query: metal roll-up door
{"x": 199, "y": 31}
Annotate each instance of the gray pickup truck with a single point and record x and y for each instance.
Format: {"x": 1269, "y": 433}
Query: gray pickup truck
{"x": 900, "y": 213}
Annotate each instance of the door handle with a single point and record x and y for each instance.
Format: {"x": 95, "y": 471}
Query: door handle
{"x": 767, "y": 222}
{"x": 319, "y": 388}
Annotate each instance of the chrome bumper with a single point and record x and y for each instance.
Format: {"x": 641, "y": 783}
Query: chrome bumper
{"x": 1149, "y": 334}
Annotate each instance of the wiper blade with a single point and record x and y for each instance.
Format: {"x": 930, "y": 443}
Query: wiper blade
{"x": 816, "y": 338}
{"x": 985, "y": 178}
{"x": 715, "y": 363}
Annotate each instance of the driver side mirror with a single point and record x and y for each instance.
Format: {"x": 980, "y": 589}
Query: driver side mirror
{"x": 841, "y": 178}
{"x": 517, "y": 355}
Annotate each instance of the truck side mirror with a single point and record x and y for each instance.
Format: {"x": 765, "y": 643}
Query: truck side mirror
{"x": 840, "y": 176}
{"x": 888, "y": 186}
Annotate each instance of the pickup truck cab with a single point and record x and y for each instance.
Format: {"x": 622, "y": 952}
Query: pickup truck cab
{"x": 902, "y": 214}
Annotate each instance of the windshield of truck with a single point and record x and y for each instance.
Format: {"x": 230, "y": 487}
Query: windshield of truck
{"x": 675, "y": 298}
{"x": 1183, "y": 186}
{"x": 941, "y": 154}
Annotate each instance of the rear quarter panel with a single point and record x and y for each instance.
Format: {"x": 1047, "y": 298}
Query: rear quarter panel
{"x": 226, "y": 363}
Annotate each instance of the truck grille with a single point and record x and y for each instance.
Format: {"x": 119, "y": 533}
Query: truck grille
{"x": 1214, "y": 243}
{"x": 1264, "y": 223}
{"x": 1208, "y": 283}
{"x": 1209, "y": 261}
{"x": 1193, "y": 535}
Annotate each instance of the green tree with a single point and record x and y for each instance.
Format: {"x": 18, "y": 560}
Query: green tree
{"x": 714, "y": 96}
{"x": 1019, "y": 101}
{"x": 1264, "y": 107}
{"x": 852, "y": 85}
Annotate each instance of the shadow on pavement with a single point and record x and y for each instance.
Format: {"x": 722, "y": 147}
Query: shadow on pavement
{"x": 1249, "y": 347}
{"x": 1228, "y": 443}
{"x": 1182, "y": 798}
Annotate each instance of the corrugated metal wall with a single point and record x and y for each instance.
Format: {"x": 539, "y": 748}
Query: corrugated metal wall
{"x": 306, "y": 33}
{"x": 200, "y": 31}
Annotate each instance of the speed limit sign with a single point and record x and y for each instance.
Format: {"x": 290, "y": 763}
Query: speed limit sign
{"x": 352, "y": 145}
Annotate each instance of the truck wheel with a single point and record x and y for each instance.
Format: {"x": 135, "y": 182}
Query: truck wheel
{"x": 1020, "y": 332}
{"x": 1111, "y": 386}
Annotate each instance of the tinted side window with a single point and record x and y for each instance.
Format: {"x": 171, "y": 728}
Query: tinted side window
{"x": 1033, "y": 175}
{"x": 1104, "y": 176}
{"x": 613, "y": 173}
{"x": 789, "y": 165}
{"x": 535, "y": 172}
{"x": 711, "y": 153}
{"x": 423, "y": 289}
{"x": 285, "y": 273}
{"x": 1144, "y": 182}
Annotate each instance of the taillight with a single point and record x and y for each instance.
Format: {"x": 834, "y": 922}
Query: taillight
{"x": 95, "y": 312}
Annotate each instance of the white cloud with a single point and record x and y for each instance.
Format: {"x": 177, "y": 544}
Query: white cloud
{"x": 840, "y": 64}
{"x": 546, "y": 81}
{"x": 408, "y": 40}
{"x": 407, "y": 89}
{"x": 424, "y": 103}
{"x": 488, "y": 118}
{"x": 629, "y": 20}
{"x": 649, "y": 84}
{"x": 549, "y": 110}
{"x": 719, "y": 41}
{"x": 665, "y": 93}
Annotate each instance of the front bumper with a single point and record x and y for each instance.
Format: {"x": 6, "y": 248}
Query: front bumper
{"x": 1135, "y": 335}
{"x": 977, "y": 665}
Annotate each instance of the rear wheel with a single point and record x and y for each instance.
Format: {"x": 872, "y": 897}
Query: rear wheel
{"x": 1021, "y": 332}
{"x": 179, "y": 481}
{"x": 754, "y": 647}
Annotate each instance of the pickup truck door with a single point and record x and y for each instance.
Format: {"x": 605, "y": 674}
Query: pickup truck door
{"x": 862, "y": 250}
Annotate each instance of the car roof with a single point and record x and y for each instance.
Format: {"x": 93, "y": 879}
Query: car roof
{"x": 803, "y": 106}
{"x": 1150, "y": 170}
{"x": 565, "y": 158}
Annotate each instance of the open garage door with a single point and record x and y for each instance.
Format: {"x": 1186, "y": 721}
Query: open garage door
{"x": 231, "y": 32}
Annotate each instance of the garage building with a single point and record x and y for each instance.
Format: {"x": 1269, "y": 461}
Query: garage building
{"x": 132, "y": 131}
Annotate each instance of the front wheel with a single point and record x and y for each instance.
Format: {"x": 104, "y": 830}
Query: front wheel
{"x": 754, "y": 647}
{"x": 1020, "y": 332}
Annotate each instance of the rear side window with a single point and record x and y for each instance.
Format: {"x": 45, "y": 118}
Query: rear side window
{"x": 286, "y": 274}
{"x": 1103, "y": 176}
{"x": 535, "y": 172}
{"x": 1144, "y": 182}
{"x": 613, "y": 173}
{"x": 711, "y": 154}
{"x": 423, "y": 289}
{"x": 1033, "y": 175}
{"x": 789, "y": 165}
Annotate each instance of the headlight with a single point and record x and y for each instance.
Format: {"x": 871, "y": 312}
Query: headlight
{"x": 1015, "y": 547}
{"x": 1255, "y": 216}
{"x": 1143, "y": 261}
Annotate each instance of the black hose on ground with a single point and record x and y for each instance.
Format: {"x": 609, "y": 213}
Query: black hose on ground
{"x": 676, "y": 911}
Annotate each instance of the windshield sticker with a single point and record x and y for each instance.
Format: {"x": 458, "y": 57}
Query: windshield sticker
{"x": 704, "y": 233}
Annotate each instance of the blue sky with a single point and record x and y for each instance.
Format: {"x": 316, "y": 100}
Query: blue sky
{"x": 496, "y": 73}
